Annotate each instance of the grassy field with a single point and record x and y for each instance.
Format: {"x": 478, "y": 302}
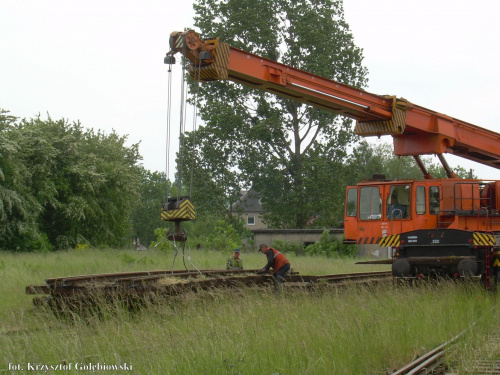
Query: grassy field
{"x": 253, "y": 331}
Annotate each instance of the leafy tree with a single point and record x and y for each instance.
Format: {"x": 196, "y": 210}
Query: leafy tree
{"x": 79, "y": 186}
{"x": 369, "y": 159}
{"x": 224, "y": 237}
{"x": 398, "y": 167}
{"x": 257, "y": 139}
{"x": 437, "y": 171}
{"x": 215, "y": 184}
{"x": 363, "y": 162}
{"x": 380, "y": 159}
{"x": 146, "y": 216}
{"x": 19, "y": 208}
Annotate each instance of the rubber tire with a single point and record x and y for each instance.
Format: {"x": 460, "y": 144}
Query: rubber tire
{"x": 401, "y": 267}
{"x": 467, "y": 267}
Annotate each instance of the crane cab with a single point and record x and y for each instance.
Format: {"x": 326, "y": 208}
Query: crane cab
{"x": 444, "y": 226}
{"x": 376, "y": 209}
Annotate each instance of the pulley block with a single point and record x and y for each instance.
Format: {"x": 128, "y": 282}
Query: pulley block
{"x": 178, "y": 209}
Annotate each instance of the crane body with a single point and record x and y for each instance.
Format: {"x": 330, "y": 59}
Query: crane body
{"x": 429, "y": 226}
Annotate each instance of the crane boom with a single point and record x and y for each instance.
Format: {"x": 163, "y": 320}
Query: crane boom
{"x": 415, "y": 130}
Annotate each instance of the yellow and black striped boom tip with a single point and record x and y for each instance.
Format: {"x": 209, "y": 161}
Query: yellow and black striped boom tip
{"x": 390, "y": 241}
{"x": 395, "y": 126}
{"x": 483, "y": 239}
{"x": 178, "y": 209}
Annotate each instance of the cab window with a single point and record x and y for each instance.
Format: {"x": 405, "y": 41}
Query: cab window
{"x": 398, "y": 202}
{"x": 420, "y": 201}
{"x": 351, "y": 208}
{"x": 434, "y": 200}
{"x": 370, "y": 203}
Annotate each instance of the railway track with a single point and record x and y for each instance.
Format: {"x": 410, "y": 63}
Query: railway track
{"x": 146, "y": 284}
{"x": 429, "y": 363}
{"x": 488, "y": 363}
{"x": 434, "y": 363}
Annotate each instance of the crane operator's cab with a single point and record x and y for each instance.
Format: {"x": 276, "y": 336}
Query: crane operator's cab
{"x": 435, "y": 226}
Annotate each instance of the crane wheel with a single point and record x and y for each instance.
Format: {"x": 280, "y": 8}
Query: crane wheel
{"x": 467, "y": 267}
{"x": 401, "y": 267}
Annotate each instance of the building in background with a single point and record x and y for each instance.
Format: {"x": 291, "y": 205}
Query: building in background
{"x": 249, "y": 209}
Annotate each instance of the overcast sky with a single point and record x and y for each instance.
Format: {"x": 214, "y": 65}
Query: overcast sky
{"x": 101, "y": 62}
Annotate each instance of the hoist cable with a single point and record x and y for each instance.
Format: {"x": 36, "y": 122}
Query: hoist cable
{"x": 189, "y": 258}
{"x": 195, "y": 116}
{"x": 176, "y": 247}
{"x": 184, "y": 122}
{"x": 169, "y": 114}
{"x": 181, "y": 136}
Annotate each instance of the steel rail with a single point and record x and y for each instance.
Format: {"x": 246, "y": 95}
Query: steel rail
{"x": 428, "y": 362}
{"x": 145, "y": 282}
{"x": 74, "y": 280}
{"x": 424, "y": 364}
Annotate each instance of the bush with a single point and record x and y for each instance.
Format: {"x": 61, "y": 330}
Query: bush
{"x": 207, "y": 233}
{"x": 161, "y": 242}
{"x": 331, "y": 247}
{"x": 224, "y": 237}
{"x": 296, "y": 247}
{"x": 82, "y": 246}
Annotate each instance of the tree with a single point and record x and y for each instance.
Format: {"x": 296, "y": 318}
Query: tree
{"x": 207, "y": 168}
{"x": 252, "y": 138}
{"x": 368, "y": 159}
{"x": 363, "y": 162}
{"x": 146, "y": 216}
{"x": 72, "y": 186}
{"x": 18, "y": 205}
{"x": 437, "y": 171}
{"x": 398, "y": 167}
{"x": 114, "y": 191}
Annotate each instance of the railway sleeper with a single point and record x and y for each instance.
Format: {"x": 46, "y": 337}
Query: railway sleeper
{"x": 87, "y": 294}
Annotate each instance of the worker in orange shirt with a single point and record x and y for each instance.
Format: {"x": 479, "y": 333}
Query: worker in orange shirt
{"x": 277, "y": 261}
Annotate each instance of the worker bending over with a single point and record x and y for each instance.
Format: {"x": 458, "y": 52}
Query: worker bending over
{"x": 277, "y": 261}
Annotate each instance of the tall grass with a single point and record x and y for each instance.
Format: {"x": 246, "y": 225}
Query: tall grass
{"x": 17, "y": 270}
{"x": 357, "y": 330}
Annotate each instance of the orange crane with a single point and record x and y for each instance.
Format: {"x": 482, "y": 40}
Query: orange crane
{"x": 430, "y": 226}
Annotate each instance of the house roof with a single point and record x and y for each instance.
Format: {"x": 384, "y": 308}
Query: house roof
{"x": 249, "y": 202}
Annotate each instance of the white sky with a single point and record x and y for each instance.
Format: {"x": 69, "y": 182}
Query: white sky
{"x": 101, "y": 62}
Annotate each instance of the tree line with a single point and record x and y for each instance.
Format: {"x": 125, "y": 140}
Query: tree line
{"x": 62, "y": 185}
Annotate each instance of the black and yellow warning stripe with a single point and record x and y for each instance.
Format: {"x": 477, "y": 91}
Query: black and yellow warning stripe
{"x": 368, "y": 240}
{"x": 185, "y": 211}
{"x": 218, "y": 69}
{"x": 395, "y": 126}
{"x": 390, "y": 241}
{"x": 496, "y": 260}
{"x": 483, "y": 239}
